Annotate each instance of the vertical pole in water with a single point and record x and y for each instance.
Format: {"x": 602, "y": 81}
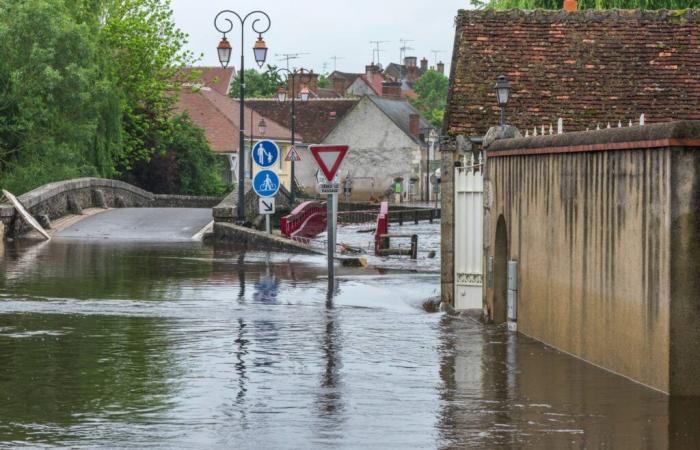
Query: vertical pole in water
{"x": 330, "y": 231}
{"x": 268, "y": 227}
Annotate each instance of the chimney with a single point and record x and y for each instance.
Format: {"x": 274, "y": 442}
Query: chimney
{"x": 441, "y": 67}
{"x": 411, "y": 68}
{"x": 414, "y": 124}
{"x": 371, "y": 69}
{"x": 391, "y": 89}
{"x": 424, "y": 65}
{"x": 410, "y": 61}
{"x": 570, "y": 5}
{"x": 339, "y": 85}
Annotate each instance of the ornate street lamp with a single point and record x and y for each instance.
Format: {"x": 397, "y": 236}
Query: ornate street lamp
{"x": 305, "y": 77}
{"x": 304, "y": 94}
{"x": 262, "y": 127}
{"x": 502, "y": 92}
{"x": 223, "y": 22}
{"x": 281, "y": 94}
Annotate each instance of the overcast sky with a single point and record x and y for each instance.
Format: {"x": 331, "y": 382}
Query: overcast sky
{"x": 327, "y": 28}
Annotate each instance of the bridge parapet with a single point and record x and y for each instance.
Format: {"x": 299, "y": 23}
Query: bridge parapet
{"x": 55, "y": 200}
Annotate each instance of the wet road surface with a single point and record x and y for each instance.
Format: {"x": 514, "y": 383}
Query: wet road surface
{"x": 118, "y": 345}
{"x": 142, "y": 224}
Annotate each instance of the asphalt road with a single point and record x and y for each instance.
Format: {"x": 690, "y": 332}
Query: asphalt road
{"x": 140, "y": 224}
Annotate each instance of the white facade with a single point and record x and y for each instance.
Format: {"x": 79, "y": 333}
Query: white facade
{"x": 379, "y": 152}
{"x": 468, "y": 242}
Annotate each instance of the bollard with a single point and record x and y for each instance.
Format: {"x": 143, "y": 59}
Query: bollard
{"x": 400, "y": 218}
{"x": 432, "y": 215}
{"x": 415, "y": 217}
{"x": 414, "y": 246}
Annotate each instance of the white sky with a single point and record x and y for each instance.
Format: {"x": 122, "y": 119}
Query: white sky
{"x": 325, "y": 28}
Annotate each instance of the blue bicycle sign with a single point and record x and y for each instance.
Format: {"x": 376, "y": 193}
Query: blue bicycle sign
{"x": 266, "y": 183}
{"x": 265, "y": 153}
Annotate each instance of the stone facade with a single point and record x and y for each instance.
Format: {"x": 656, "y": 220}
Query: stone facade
{"x": 604, "y": 228}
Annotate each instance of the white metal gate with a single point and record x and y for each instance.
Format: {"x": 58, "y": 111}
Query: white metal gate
{"x": 468, "y": 248}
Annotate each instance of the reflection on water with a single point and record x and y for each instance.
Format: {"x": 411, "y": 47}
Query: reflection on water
{"x": 185, "y": 346}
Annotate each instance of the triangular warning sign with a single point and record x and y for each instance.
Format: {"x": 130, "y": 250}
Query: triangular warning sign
{"x": 329, "y": 158}
{"x": 293, "y": 154}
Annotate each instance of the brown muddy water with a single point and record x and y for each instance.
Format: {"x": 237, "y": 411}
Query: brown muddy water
{"x": 184, "y": 346}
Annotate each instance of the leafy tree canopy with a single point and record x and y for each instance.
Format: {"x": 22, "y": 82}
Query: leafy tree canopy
{"x": 431, "y": 88}
{"x": 257, "y": 84}
{"x": 588, "y": 4}
{"x": 87, "y": 89}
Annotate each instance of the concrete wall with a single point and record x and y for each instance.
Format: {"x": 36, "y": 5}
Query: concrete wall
{"x": 604, "y": 226}
{"x": 379, "y": 151}
{"x": 58, "y": 199}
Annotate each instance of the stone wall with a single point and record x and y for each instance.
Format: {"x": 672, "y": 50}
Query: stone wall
{"x": 248, "y": 238}
{"x": 55, "y": 200}
{"x": 604, "y": 227}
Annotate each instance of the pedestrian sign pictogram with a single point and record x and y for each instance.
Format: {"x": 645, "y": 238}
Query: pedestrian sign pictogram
{"x": 265, "y": 153}
{"x": 293, "y": 154}
{"x": 266, "y": 183}
{"x": 329, "y": 158}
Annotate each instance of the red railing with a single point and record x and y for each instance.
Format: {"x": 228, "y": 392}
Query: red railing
{"x": 382, "y": 225}
{"x": 306, "y": 220}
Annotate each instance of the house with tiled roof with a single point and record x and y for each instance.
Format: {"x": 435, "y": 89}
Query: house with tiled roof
{"x": 219, "y": 116}
{"x": 216, "y": 78}
{"x": 388, "y": 158}
{"x": 590, "y": 68}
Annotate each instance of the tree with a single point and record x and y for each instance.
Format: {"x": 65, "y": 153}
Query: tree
{"x": 257, "y": 84}
{"x": 324, "y": 81}
{"x": 588, "y": 4}
{"x": 431, "y": 88}
{"x": 58, "y": 118}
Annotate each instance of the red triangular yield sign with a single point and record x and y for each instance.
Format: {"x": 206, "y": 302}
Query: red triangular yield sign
{"x": 329, "y": 158}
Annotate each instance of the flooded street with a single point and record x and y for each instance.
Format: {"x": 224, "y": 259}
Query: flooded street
{"x": 186, "y": 346}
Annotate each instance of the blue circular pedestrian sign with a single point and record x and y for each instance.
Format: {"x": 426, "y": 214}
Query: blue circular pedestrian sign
{"x": 266, "y": 183}
{"x": 265, "y": 153}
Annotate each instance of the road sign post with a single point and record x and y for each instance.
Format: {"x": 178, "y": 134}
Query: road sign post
{"x": 329, "y": 158}
{"x": 266, "y": 182}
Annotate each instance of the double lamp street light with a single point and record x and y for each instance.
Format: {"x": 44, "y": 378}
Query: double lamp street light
{"x": 223, "y": 22}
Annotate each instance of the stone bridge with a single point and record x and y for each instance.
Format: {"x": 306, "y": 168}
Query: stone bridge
{"x": 54, "y": 201}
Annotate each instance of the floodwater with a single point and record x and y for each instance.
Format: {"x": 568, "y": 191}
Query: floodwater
{"x": 184, "y": 346}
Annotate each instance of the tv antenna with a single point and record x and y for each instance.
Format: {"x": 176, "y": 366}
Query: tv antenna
{"x": 377, "y": 51}
{"x": 288, "y": 56}
{"x": 435, "y": 55}
{"x": 403, "y": 48}
{"x": 335, "y": 62}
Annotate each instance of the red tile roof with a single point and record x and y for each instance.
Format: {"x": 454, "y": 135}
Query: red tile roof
{"x": 588, "y": 67}
{"x": 217, "y": 78}
{"x": 218, "y": 116}
{"x": 315, "y": 118}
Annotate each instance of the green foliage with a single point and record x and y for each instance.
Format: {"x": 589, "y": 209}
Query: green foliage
{"x": 431, "y": 88}
{"x": 588, "y": 4}
{"x": 257, "y": 84}
{"x": 182, "y": 162}
{"x": 57, "y": 114}
{"x": 87, "y": 89}
{"x": 323, "y": 81}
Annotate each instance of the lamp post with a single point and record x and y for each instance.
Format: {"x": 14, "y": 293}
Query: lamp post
{"x": 502, "y": 90}
{"x": 304, "y": 94}
{"x": 224, "y": 24}
{"x": 262, "y": 129}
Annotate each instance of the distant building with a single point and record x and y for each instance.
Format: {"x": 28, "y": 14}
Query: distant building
{"x": 387, "y": 158}
{"x": 219, "y": 116}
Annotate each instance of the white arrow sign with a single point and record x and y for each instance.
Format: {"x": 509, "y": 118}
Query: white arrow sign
{"x": 266, "y": 206}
